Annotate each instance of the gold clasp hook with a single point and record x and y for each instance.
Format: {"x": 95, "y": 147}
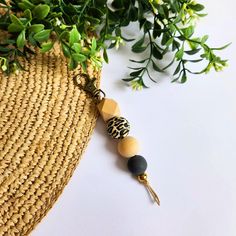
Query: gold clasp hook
{"x": 91, "y": 88}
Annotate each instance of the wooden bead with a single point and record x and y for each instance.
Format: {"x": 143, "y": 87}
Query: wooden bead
{"x": 128, "y": 147}
{"x": 108, "y": 108}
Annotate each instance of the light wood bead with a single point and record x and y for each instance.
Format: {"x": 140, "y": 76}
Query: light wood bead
{"x": 108, "y": 108}
{"x": 128, "y": 147}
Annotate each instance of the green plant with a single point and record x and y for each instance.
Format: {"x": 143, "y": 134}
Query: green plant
{"x": 84, "y": 28}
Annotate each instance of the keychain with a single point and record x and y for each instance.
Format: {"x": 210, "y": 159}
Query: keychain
{"x": 118, "y": 128}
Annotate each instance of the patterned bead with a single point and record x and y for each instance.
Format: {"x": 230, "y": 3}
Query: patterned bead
{"x": 118, "y": 127}
{"x": 137, "y": 165}
{"x": 108, "y": 108}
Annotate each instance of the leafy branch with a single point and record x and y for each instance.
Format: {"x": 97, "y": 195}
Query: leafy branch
{"x": 173, "y": 25}
{"x": 84, "y": 28}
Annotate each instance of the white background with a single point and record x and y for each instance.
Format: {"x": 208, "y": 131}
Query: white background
{"x": 187, "y": 134}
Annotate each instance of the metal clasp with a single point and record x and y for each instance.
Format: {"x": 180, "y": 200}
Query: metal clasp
{"x": 91, "y": 88}
{"x": 89, "y": 85}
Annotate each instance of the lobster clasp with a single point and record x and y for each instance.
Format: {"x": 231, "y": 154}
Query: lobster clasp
{"x": 90, "y": 87}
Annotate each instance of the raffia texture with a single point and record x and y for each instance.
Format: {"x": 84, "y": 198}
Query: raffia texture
{"x": 46, "y": 122}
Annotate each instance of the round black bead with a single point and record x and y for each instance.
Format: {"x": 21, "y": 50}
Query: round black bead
{"x": 137, "y": 165}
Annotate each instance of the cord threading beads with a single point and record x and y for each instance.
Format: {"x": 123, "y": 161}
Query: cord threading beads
{"x": 118, "y": 128}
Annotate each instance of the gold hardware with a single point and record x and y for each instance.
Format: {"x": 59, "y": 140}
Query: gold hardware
{"x": 144, "y": 180}
{"x": 90, "y": 87}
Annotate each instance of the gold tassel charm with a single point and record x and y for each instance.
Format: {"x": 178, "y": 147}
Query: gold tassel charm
{"x": 144, "y": 180}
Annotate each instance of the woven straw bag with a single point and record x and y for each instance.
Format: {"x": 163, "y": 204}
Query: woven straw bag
{"x": 46, "y": 122}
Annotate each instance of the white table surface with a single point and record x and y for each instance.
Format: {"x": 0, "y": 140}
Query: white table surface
{"x": 187, "y": 134}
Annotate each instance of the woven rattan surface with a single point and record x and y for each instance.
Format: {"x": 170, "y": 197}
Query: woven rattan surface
{"x": 46, "y": 122}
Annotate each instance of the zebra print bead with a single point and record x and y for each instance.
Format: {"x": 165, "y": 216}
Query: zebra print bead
{"x": 118, "y": 127}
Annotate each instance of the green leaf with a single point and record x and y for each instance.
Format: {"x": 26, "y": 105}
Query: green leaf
{"x": 193, "y": 45}
{"x": 36, "y": 28}
{"x": 13, "y": 28}
{"x": 93, "y": 45}
{"x": 41, "y": 11}
{"x": 84, "y": 66}
{"x": 156, "y": 68}
{"x": 45, "y": 47}
{"x": 128, "y": 79}
{"x": 204, "y": 39}
{"x": 175, "y": 80}
{"x": 31, "y": 40}
{"x": 194, "y": 51}
{"x": 169, "y": 65}
{"x": 105, "y": 56}
{"x": 179, "y": 54}
{"x": 27, "y": 14}
{"x": 157, "y": 30}
{"x": 221, "y": 48}
{"x": 195, "y": 61}
{"x": 201, "y": 15}
{"x": 66, "y": 50}
{"x": 136, "y": 73}
{"x": 139, "y": 49}
{"x": 138, "y": 44}
{"x": 25, "y": 4}
{"x": 20, "y": 42}
{"x": 163, "y": 10}
{"x": 73, "y": 64}
{"x": 169, "y": 42}
{"x": 95, "y": 12}
{"x": 165, "y": 38}
{"x": 135, "y": 68}
{"x": 188, "y": 32}
{"x": 140, "y": 61}
{"x": 16, "y": 20}
{"x": 42, "y": 35}
{"x": 183, "y": 78}
{"x": 156, "y": 53}
{"x": 175, "y": 45}
{"x": 196, "y": 7}
{"x": 74, "y": 36}
{"x": 77, "y": 47}
{"x": 79, "y": 57}
{"x": 177, "y": 69}
{"x": 64, "y": 35}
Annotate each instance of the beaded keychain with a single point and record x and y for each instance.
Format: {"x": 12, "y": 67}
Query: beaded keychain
{"x": 118, "y": 128}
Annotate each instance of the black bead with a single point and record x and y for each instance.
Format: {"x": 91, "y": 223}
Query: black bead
{"x": 137, "y": 165}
